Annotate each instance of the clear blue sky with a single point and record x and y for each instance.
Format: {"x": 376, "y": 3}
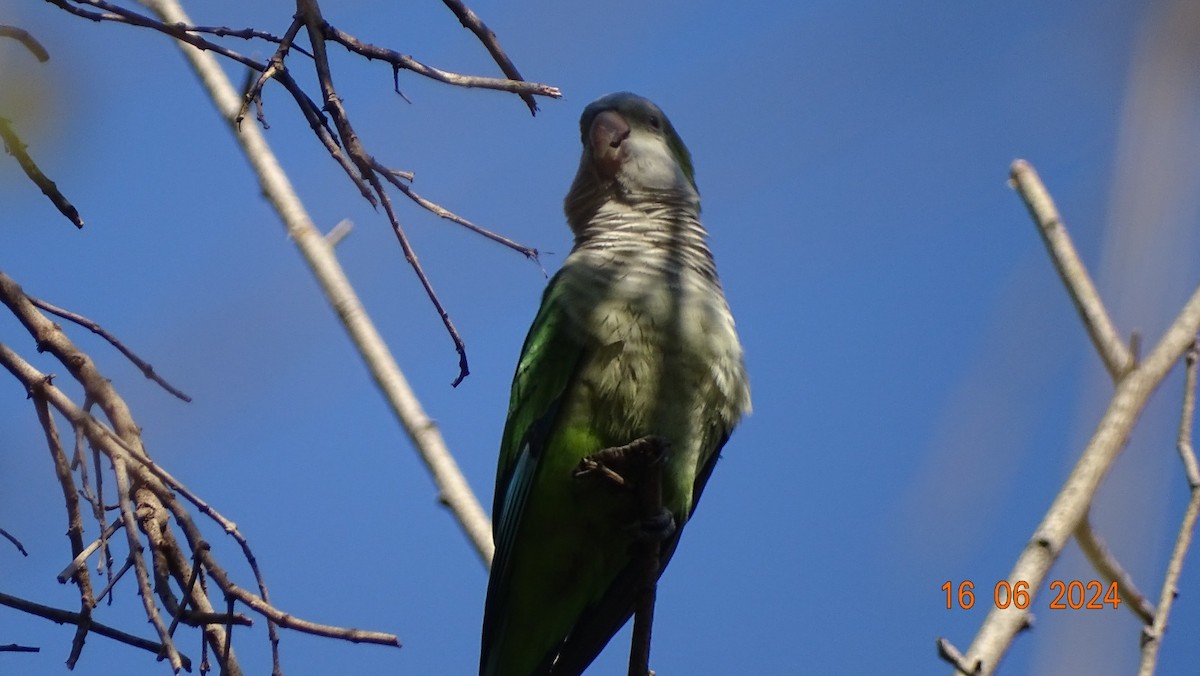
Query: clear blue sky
{"x": 921, "y": 384}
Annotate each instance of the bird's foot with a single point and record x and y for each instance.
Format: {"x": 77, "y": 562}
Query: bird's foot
{"x": 621, "y": 465}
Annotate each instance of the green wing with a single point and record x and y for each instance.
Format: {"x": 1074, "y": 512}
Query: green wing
{"x": 547, "y": 364}
{"x": 544, "y": 374}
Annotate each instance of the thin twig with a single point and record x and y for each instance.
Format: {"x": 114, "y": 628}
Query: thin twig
{"x": 394, "y": 177}
{"x": 16, "y": 148}
{"x": 1111, "y": 570}
{"x": 400, "y": 61}
{"x": 16, "y": 543}
{"x": 67, "y": 617}
{"x": 113, "y": 578}
{"x": 339, "y": 231}
{"x": 1116, "y": 356}
{"x": 310, "y": 10}
{"x": 62, "y": 468}
{"x": 1187, "y": 452}
{"x": 1152, "y": 635}
{"x": 23, "y": 36}
{"x": 81, "y": 558}
{"x": 473, "y": 23}
{"x": 146, "y": 369}
{"x": 948, "y": 652}
{"x": 187, "y": 591}
{"x": 243, "y": 33}
{"x": 179, "y": 31}
{"x": 311, "y": 111}
{"x": 410, "y": 255}
{"x": 96, "y": 498}
{"x": 274, "y": 65}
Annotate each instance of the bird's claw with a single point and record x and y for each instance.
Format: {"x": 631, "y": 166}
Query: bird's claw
{"x": 591, "y": 466}
{"x": 621, "y": 464}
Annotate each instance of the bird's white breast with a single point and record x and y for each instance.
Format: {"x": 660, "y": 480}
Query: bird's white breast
{"x": 664, "y": 358}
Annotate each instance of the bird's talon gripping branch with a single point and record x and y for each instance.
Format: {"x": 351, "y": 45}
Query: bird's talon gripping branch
{"x": 622, "y": 465}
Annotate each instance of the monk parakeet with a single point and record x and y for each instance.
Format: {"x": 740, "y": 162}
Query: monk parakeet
{"x": 633, "y": 338}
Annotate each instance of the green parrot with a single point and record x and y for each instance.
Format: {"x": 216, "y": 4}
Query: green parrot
{"x": 633, "y": 338}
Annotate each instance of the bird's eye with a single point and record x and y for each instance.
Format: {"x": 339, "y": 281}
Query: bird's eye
{"x": 655, "y": 122}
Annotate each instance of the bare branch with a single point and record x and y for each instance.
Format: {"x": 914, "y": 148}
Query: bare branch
{"x": 243, "y": 33}
{"x": 949, "y": 653}
{"x": 312, "y": 113}
{"x": 81, "y": 558}
{"x": 146, "y": 369}
{"x": 119, "y": 14}
{"x": 310, "y": 11}
{"x": 454, "y": 491}
{"x": 141, "y": 483}
{"x": 22, "y": 36}
{"x": 1112, "y": 432}
{"x": 124, "y": 489}
{"x": 339, "y": 231}
{"x": 62, "y": 468}
{"x": 1187, "y": 452}
{"x": 121, "y": 455}
{"x": 172, "y": 21}
{"x": 113, "y": 578}
{"x": 650, "y": 497}
{"x": 393, "y": 177}
{"x": 1107, "y": 566}
{"x": 402, "y": 62}
{"x": 14, "y": 147}
{"x": 16, "y": 543}
{"x": 636, "y": 468}
{"x": 68, "y": 617}
{"x": 1117, "y": 358}
{"x": 1152, "y": 635}
{"x": 274, "y": 65}
{"x": 473, "y": 23}
{"x": 355, "y": 161}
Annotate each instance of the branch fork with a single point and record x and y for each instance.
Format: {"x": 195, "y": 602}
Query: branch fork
{"x": 1135, "y": 381}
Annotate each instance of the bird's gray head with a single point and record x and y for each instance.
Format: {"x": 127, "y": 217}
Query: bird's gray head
{"x": 632, "y": 152}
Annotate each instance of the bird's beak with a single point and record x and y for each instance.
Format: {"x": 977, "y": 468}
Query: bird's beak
{"x": 608, "y": 131}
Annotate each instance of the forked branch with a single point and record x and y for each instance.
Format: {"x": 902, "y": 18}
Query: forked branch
{"x": 339, "y": 140}
{"x": 149, "y": 499}
{"x": 1152, "y": 634}
{"x": 453, "y": 490}
{"x": 1135, "y": 383}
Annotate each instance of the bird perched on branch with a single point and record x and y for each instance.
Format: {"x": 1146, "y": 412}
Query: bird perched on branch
{"x": 633, "y": 340}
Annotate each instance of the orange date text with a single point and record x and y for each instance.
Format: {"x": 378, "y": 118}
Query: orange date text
{"x": 1066, "y": 595}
